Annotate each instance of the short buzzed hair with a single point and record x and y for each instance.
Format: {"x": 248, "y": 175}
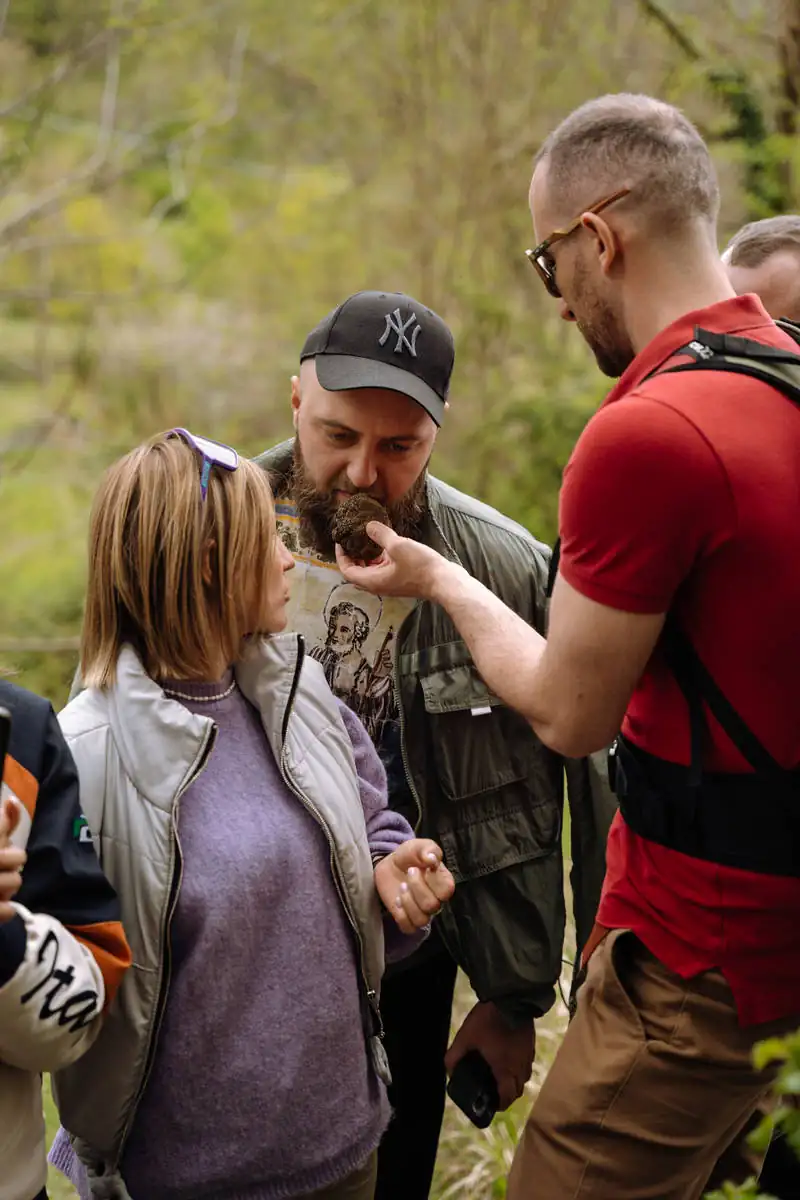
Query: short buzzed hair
{"x": 638, "y": 142}
{"x": 758, "y": 241}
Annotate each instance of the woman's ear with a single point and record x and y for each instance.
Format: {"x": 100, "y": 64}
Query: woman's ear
{"x": 208, "y": 566}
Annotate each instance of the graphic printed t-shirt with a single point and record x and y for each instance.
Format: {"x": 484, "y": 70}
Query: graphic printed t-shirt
{"x": 353, "y": 635}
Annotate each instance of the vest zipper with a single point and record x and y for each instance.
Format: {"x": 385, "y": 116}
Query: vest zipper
{"x": 371, "y": 995}
{"x": 172, "y": 902}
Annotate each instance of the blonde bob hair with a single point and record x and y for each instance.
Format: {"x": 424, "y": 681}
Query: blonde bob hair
{"x": 176, "y": 577}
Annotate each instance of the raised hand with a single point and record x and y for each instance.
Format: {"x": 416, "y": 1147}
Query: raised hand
{"x": 405, "y": 567}
{"x": 414, "y": 883}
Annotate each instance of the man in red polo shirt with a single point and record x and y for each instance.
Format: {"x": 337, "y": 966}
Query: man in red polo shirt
{"x": 680, "y": 523}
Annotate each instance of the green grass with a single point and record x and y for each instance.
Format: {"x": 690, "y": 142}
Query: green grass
{"x": 473, "y": 1163}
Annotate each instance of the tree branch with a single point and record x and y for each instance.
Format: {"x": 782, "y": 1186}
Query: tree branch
{"x": 789, "y": 57}
{"x": 47, "y": 293}
{"x": 56, "y": 242}
{"x": 178, "y": 188}
{"x": 654, "y": 10}
{"x": 183, "y": 151}
{"x": 53, "y": 197}
{"x": 43, "y": 433}
{"x": 62, "y": 71}
{"x": 62, "y": 645}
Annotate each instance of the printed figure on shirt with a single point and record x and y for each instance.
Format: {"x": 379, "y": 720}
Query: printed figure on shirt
{"x": 350, "y": 633}
{"x": 364, "y": 685}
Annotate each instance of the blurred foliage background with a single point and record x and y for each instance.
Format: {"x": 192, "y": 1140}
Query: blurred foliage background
{"x": 187, "y": 186}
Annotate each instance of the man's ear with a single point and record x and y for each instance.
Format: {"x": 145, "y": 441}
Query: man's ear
{"x": 607, "y": 244}
{"x": 296, "y": 399}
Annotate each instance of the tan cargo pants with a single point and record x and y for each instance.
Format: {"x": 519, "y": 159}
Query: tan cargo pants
{"x": 652, "y": 1083}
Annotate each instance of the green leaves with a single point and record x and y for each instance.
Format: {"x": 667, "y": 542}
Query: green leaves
{"x": 784, "y": 1118}
{"x": 747, "y": 1191}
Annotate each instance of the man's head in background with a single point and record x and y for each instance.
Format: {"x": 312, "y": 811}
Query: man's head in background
{"x": 367, "y": 406}
{"x": 764, "y": 257}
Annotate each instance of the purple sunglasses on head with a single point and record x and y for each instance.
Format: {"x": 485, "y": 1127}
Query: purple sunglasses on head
{"x": 213, "y": 454}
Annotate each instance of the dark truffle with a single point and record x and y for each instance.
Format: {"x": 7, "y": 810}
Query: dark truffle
{"x": 349, "y": 531}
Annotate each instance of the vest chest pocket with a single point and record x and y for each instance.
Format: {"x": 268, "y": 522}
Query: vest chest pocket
{"x": 470, "y": 744}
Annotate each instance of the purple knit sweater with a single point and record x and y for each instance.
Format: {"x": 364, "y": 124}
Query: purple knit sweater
{"x": 261, "y": 1087}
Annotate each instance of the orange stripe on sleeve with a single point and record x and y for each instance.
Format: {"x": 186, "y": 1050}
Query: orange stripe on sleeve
{"x": 109, "y": 947}
{"x": 22, "y": 784}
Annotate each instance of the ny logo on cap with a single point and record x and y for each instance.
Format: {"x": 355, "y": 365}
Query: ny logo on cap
{"x": 395, "y": 324}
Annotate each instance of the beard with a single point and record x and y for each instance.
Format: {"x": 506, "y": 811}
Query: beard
{"x": 600, "y": 328}
{"x": 316, "y": 509}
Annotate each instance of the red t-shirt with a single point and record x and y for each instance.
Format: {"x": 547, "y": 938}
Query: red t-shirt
{"x": 685, "y": 490}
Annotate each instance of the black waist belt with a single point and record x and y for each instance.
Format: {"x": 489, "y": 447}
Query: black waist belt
{"x": 733, "y": 820}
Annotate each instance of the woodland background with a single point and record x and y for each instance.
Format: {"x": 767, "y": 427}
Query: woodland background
{"x": 186, "y": 187}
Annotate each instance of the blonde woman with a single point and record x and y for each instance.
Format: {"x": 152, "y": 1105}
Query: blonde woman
{"x": 240, "y": 811}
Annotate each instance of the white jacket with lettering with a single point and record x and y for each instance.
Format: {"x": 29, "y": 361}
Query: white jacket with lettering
{"x": 49, "y": 1015}
{"x": 63, "y": 952}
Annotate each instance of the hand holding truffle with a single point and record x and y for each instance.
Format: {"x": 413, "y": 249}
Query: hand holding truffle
{"x": 404, "y": 567}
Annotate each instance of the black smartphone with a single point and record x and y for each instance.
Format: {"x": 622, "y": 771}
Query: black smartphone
{"x": 5, "y": 738}
{"x": 473, "y": 1088}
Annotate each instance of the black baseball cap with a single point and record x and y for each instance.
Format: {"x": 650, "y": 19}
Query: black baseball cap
{"x": 384, "y": 340}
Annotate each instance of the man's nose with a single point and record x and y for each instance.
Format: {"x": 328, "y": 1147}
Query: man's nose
{"x": 564, "y": 311}
{"x": 362, "y": 471}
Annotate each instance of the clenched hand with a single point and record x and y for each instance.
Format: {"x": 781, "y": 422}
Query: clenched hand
{"x": 414, "y": 883}
{"x": 509, "y": 1052}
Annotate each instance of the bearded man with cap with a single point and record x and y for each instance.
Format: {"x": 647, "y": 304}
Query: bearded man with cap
{"x": 367, "y": 405}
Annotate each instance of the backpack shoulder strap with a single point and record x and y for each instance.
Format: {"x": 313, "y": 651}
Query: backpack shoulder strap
{"x": 740, "y": 356}
{"x": 790, "y": 327}
{"x": 696, "y": 684}
{"x": 780, "y": 369}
